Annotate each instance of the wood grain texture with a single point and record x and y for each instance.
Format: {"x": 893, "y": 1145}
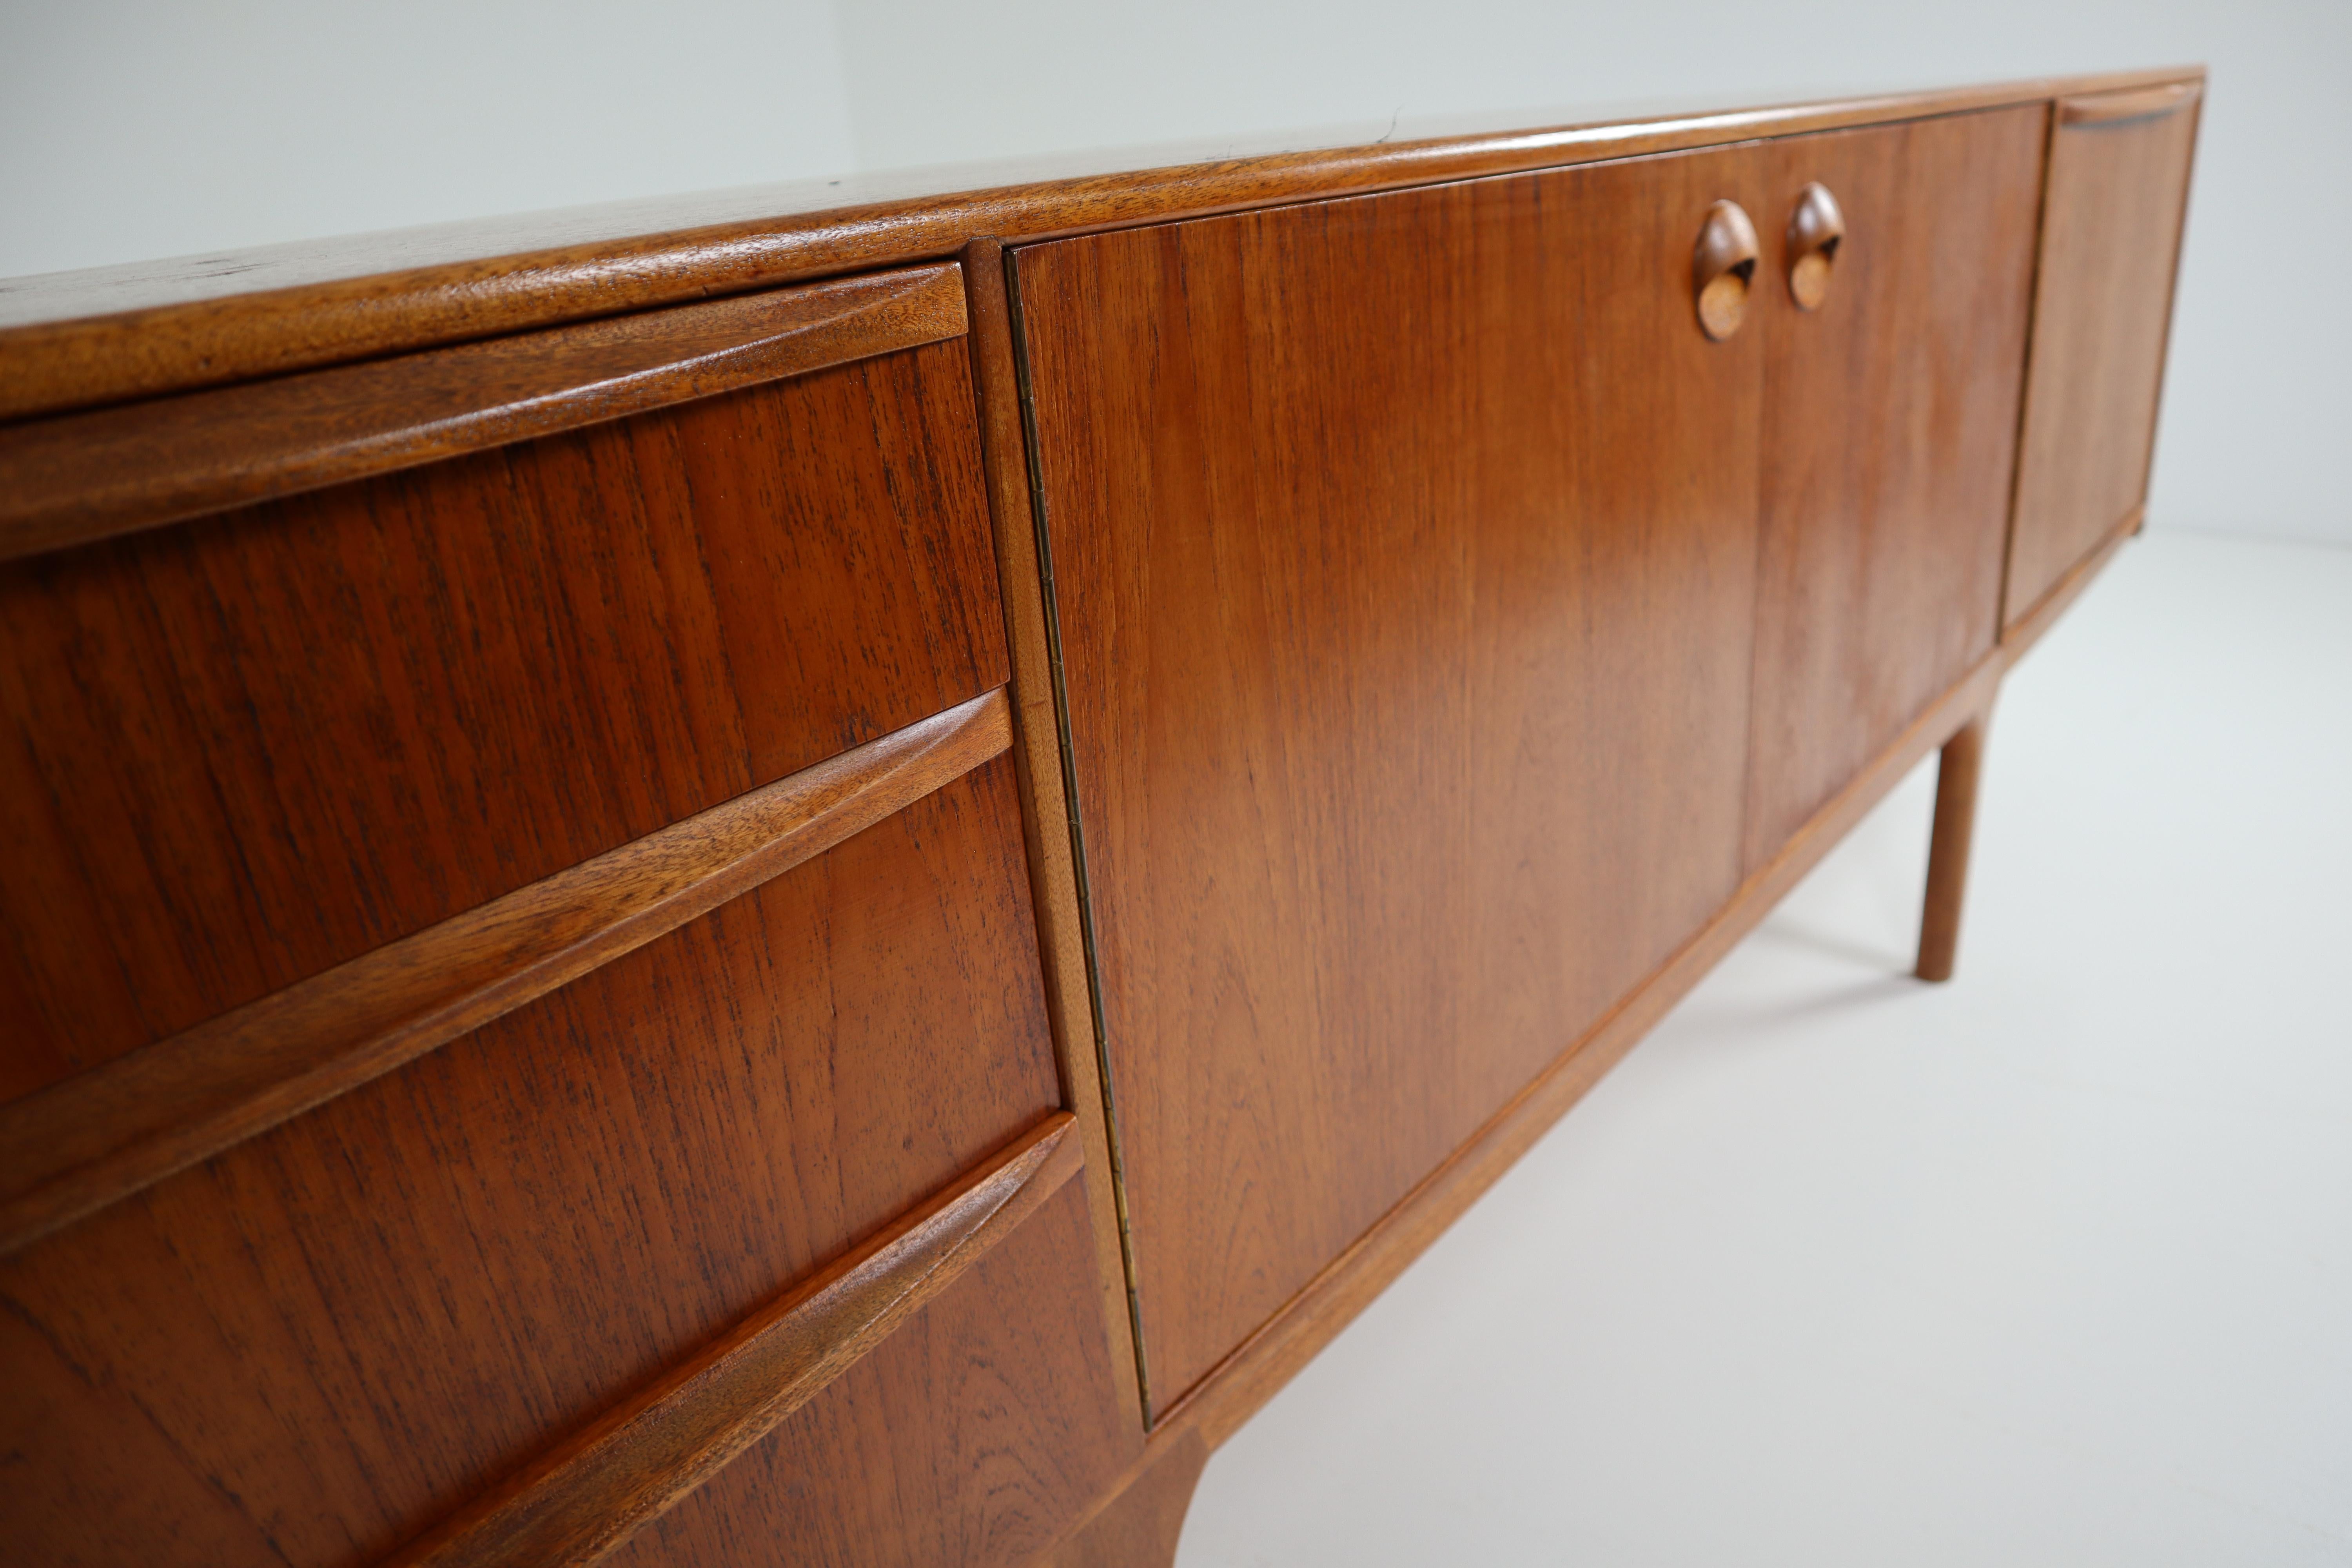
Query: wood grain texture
{"x": 2118, "y": 197}
{"x": 67, "y": 480}
{"x": 97, "y": 1137}
{"x": 1046, "y": 818}
{"x": 241, "y": 750}
{"x": 1889, "y": 445}
{"x": 1138, "y": 1526}
{"x": 328, "y": 1339}
{"x": 1250, "y": 1376}
{"x": 1958, "y": 773}
{"x": 643, "y": 1456}
{"x": 870, "y": 1472}
{"x": 1405, "y": 549}
{"x": 82, "y": 339}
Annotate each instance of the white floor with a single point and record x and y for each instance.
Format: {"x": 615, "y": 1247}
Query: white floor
{"x": 2051, "y": 1264}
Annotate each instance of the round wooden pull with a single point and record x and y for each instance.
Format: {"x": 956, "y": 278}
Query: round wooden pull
{"x": 1814, "y": 230}
{"x": 1722, "y": 266}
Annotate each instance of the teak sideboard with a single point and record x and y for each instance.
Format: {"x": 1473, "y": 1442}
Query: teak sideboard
{"x": 818, "y": 878}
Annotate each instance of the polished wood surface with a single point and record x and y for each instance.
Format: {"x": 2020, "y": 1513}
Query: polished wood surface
{"x": 74, "y": 340}
{"x": 642, "y": 1458}
{"x": 102, "y": 1136}
{"x": 1888, "y": 446}
{"x": 842, "y": 924}
{"x": 1403, "y": 549}
{"x": 1957, "y": 771}
{"x": 246, "y": 749}
{"x": 1309, "y": 1321}
{"x": 972, "y": 1435}
{"x": 1045, "y": 818}
{"x": 323, "y": 1341}
{"x": 2118, "y": 192}
{"x": 67, "y": 480}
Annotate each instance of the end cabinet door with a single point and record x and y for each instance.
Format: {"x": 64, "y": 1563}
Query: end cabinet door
{"x": 2110, "y": 248}
{"x": 1889, "y": 435}
{"x": 1404, "y": 552}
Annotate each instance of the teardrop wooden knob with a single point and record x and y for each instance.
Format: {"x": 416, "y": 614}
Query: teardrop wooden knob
{"x": 1815, "y": 231}
{"x": 1722, "y": 263}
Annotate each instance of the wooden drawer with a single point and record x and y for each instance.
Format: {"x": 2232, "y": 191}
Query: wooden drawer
{"x": 523, "y": 970}
{"x": 246, "y": 748}
{"x": 314, "y": 1346}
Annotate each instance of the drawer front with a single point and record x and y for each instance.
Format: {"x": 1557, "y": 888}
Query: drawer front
{"x": 2110, "y": 248}
{"x": 242, "y": 748}
{"x": 323, "y": 1341}
{"x": 1889, "y": 445}
{"x": 1403, "y": 550}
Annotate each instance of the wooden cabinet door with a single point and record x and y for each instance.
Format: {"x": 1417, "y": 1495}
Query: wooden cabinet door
{"x": 2110, "y": 245}
{"x": 1889, "y": 440}
{"x": 1404, "y": 552}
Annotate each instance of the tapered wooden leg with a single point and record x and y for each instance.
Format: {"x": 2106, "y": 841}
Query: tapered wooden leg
{"x": 1948, "y": 852}
{"x": 1138, "y": 1529}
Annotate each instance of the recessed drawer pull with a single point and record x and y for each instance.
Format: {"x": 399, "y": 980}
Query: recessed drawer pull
{"x": 593, "y": 1490}
{"x": 1815, "y": 231}
{"x": 1722, "y": 266}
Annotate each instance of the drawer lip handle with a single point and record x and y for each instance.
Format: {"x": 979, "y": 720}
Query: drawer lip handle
{"x": 2110, "y": 108}
{"x": 82, "y": 477}
{"x": 67, "y": 1151}
{"x": 1723, "y": 265}
{"x": 593, "y": 1490}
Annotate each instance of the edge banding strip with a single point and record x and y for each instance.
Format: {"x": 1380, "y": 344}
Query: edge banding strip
{"x": 70, "y": 1150}
{"x": 593, "y": 1491}
{"x": 82, "y": 477}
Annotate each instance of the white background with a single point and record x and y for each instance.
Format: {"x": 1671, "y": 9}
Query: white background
{"x": 136, "y": 128}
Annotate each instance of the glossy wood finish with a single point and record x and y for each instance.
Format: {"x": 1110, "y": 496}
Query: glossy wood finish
{"x": 2118, "y": 192}
{"x": 1888, "y": 446}
{"x": 972, "y": 1435}
{"x": 97, "y": 1137}
{"x": 246, "y": 748}
{"x": 74, "y": 340}
{"x": 1957, "y": 774}
{"x": 643, "y": 1457}
{"x": 1415, "y": 571}
{"x": 1045, "y": 816}
{"x": 65, "y": 481}
{"x": 1272, "y": 1355}
{"x": 1404, "y": 552}
{"x": 318, "y": 1346}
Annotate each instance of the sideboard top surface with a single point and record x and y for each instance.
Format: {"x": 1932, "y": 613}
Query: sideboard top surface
{"x": 72, "y": 339}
